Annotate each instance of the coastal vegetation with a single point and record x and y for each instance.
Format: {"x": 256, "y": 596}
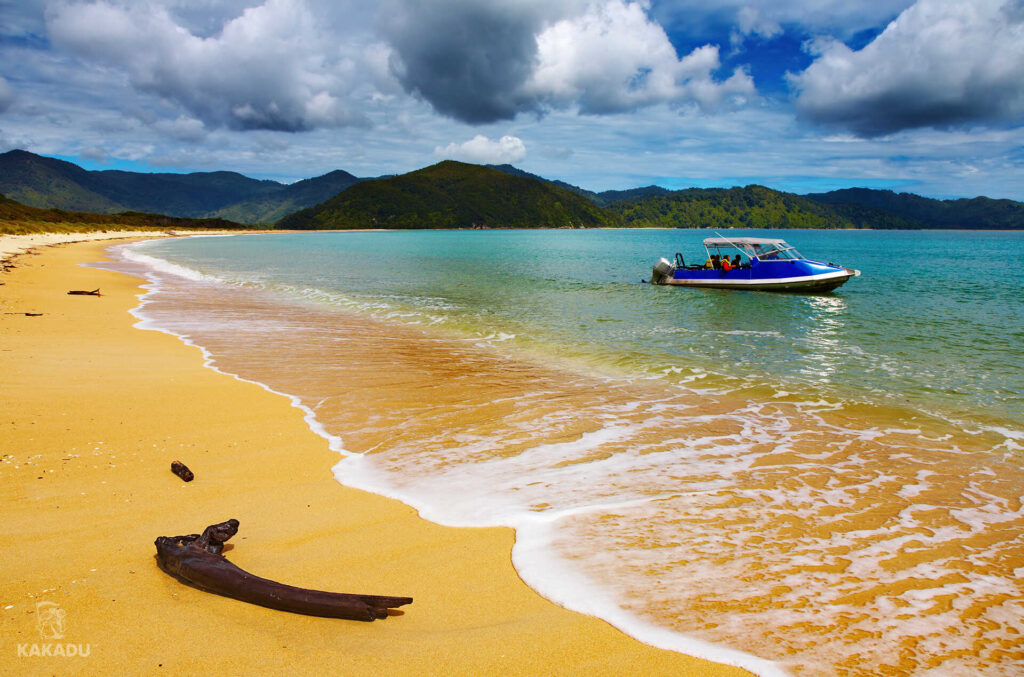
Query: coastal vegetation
{"x": 866, "y": 208}
{"x": 749, "y": 207}
{"x": 449, "y": 195}
{"x": 19, "y": 219}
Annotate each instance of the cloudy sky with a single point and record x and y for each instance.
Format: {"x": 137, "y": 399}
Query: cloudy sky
{"x": 924, "y": 96}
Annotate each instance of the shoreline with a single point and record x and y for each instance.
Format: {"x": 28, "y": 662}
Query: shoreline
{"x": 12, "y": 246}
{"x": 98, "y": 411}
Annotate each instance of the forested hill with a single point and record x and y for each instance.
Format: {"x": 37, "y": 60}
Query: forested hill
{"x": 749, "y": 207}
{"x": 272, "y": 207}
{"x": 760, "y": 207}
{"x": 453, "y": 195}
{"x": 866, "y": 208}
{"x": 49, "y": 183}
{"x": 16, "y": 218}
{"x": 457, "y": 195}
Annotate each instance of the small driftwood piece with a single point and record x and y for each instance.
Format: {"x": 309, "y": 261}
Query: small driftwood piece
{"x": 79, "y": 292}
{"x": 195, "y": 559}
{"x": 182, "y": 471}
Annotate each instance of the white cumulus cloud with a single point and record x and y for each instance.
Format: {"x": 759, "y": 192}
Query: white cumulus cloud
{"x": 941, "y": 63}
{"x": 613, "y": 58}
{"x": 480, "y": 61}
{"x": 483, "y": 151}
{"x": 753, "y": 22}
{"x": 271, "y": 67}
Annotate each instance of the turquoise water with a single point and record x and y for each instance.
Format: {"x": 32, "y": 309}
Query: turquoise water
{"x": 937, "y": 318}
{"x": 814, "y": 485}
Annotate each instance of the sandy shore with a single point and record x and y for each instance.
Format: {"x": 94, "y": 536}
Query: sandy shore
{"x": 12, "y": 245}
{"x": 94, "y": 411}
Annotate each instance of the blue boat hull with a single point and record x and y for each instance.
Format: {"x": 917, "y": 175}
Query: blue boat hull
{"x": 791, "y": 276}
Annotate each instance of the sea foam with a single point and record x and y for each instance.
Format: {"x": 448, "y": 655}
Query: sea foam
{"x": 779, "y": 525}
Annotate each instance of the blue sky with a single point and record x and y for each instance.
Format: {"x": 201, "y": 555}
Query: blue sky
{"x": 923, "y": 96}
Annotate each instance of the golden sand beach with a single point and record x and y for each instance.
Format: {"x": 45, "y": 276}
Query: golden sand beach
{"x": 94, "y": 411}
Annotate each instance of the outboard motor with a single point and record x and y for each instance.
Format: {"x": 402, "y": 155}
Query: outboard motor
{"x": 663, "y": 270}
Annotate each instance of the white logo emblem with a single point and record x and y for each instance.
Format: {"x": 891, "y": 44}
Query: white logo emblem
{"x": 50, "y": 618}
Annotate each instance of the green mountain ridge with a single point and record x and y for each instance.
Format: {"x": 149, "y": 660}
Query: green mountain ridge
{"x": 16, "y": 217}
{"x": 867, "y": 208}
{"x": 49, "y": 183}
{"x": 749, "y": 207}
{"x": 760, "y": 207}
{"x": 453, "y": 194}
{"x": 299, "y": 195}
{"x": 515, "y": 171}
{"x": 457, "y": 195}
{"x": 45, "y": 182}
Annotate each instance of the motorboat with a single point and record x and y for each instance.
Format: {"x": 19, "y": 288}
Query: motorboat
{"x": 753, "y": 263}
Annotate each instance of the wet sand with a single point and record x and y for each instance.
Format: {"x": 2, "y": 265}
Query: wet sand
{"x": 831, "y": 537}
{"x": 94, "y": 411}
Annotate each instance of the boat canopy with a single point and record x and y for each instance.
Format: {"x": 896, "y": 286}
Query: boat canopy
{"x": 713, "y": 241}
{"x": 761, "y": 247}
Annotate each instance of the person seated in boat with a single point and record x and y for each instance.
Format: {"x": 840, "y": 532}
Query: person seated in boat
{"x": 726, "y": 264}
{"x": 736, "y": 261}
{"x": 711, "y": 262}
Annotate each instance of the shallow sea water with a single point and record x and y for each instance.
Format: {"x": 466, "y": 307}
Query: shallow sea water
{"x": 813, "y": 484}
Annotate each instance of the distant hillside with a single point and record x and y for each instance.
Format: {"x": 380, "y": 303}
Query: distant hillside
{"x": 749, "y": 207}
{"x": 49, "y": 183}
{"x": 54, "y": 184}
{"x": 515, "y": 171}
{"x": 655, "y": 206}
{"x": 867, "y": 208}
{"x": 453, "y": 195}
{"x": 191, "y": 195}
{"x": 633, "y": 194}
{"x": 602, "y": 199}
{"x": 299, "y": 195}
{"x": 16, "y": 218}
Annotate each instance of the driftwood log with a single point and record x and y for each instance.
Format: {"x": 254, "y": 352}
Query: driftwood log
{"x": 78, "y": 292}
{"x": 182, "y": 471}
{"x": 195, "y": 559}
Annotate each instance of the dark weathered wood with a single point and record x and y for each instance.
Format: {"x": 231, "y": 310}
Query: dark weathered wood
{"x": 182, "y": 471}
{"x": 196, "y": 559}
{"x": 78, "y": 292}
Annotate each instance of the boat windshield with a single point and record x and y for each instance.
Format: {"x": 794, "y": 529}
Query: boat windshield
{"x": 775, "y": 251}
{"x": 762, "y": 249}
